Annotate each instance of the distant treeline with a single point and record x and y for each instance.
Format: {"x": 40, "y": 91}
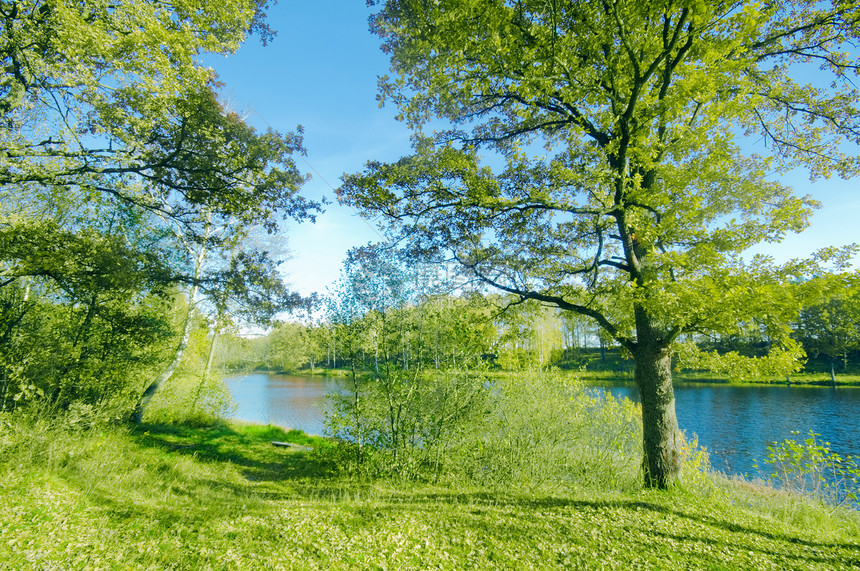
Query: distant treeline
{"x": 450, "y": 331}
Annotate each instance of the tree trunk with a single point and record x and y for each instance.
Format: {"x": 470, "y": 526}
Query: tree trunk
{"x": 211, "y": 357}
{"x": 206, "y": 373}
{"x": 137, "y": 415}
{"x": 660, "y": 439}
{"x": 199, "y": 251}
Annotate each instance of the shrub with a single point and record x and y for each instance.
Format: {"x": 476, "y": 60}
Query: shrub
{"x": 191, "y": 399}
{"x": 811, "y": 468}
{"x": 533, "y": 430}
{"x": 544, "y": 429}
{"x": 404, "y": 423}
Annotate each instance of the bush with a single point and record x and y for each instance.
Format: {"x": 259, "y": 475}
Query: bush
{"x": 547, "y": 430}
{"x": 404, "y": 423}
{"x": 191, "y": 399}
{"x": 696, "y": 475}
{"x": 811, "y": 468}
{"x": 533, "y": 430}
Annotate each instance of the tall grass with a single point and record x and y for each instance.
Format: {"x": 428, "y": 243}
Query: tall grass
{"x": 542, "y": 476}
{"x": 545, "y": 431}
{"x": 796, "y": 494}
{"x": 536, "y": 430}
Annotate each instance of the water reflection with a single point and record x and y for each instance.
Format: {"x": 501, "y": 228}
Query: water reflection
{"x": 735, "y": 423}
{"x": 284, "y": 400}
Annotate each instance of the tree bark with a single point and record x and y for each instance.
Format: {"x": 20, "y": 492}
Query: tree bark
{"x": 211, "y": 358}
{"x": 143, "y": 402}
{"x": 660, "y": 438}
{"x": 206, "y": 373}
{"x": 199, "y": 259}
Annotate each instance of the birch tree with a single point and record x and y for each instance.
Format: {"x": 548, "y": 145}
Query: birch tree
{"x": 108, "y": 103}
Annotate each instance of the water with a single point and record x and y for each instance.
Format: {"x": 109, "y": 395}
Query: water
{"x": 284, "y": 400}
{"x": 735, "y": 423}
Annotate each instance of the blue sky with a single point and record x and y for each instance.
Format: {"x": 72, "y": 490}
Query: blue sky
{"x": 320, "y": 72}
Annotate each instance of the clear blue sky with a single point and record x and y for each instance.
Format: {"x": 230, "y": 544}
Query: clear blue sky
{"x": 320, "y": 72}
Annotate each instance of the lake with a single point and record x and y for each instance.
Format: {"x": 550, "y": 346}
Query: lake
{"x": 735, "y": 423}
{"x": 290, "y": 401}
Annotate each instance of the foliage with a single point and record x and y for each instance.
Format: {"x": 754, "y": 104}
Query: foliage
{"x": 778, "y": 362}
{"x": 125, "y": 184}
{"x": 287, "y": 347}
{"x": 192, "y": 399}
{"x": 89, "y": 87}
{"x": 529, "y": 335}
{"x": 408, "y": 425}
{"x": 81, "y": 313}
{"x": 193, "y": 395}
{"x": 832, "y": 327}
{"x": 546, "y": 431}
{"x": 386, "y": 310}
{"x": 812, "y": 468}
{"x": 538, "y": 431}
{"x": 638, "y": 209}
{"x": 236, "y": 352}
{"x": 223, "y": 497}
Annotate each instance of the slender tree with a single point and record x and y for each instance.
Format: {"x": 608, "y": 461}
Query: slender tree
{"x": 233, "y": 180}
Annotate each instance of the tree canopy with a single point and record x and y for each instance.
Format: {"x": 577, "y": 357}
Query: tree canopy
{"x": 621, "y": 183}
{"x": 123, "y": 176}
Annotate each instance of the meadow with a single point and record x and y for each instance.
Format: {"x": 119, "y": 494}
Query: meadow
{"x": 223, "y": 497}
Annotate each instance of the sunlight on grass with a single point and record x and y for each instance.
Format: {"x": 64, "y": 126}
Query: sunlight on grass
{"x": 225, "y": 498}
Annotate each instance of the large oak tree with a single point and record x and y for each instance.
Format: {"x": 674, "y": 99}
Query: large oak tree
{"x": 620, "y": 184}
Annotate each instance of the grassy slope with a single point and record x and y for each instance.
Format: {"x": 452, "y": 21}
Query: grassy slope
{"x": 181, "y": 498}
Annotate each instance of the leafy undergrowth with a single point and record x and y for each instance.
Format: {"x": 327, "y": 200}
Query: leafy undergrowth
{"x": 225, "y": 498}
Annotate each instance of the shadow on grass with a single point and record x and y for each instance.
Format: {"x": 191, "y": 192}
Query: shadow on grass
{"x": 550, "y": 503}
{"x": 271, "y": 473}
{"x": 295, "y": 473}
{"x": 249, "y": 448}
{"x": 651, "y": 521}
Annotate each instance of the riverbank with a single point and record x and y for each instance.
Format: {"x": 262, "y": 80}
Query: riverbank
{"x": 797, "y": 379}
{"x": 223, "y": 497}
{"x": 703, "y": 378}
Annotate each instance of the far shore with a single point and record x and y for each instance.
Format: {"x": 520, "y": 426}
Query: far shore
{"x": 803, "y": 379}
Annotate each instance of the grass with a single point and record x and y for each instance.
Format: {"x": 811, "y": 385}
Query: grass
{"x": 223, "y": 497}
{"x": 615, "y": 367}
{"x": 842, "y": 379}
{"x": 799, "y": 379}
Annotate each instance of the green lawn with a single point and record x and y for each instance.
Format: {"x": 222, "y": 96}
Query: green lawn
{"x": 801, "y": 379}
{"x": 226, "y": 498}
